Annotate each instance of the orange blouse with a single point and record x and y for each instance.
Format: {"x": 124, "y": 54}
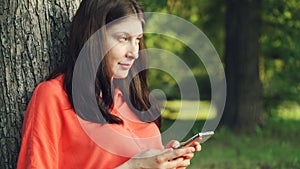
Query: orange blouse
{"x": 54, "y": 137}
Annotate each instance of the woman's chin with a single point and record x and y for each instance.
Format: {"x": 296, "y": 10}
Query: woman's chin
{"x": 120, "y": 76}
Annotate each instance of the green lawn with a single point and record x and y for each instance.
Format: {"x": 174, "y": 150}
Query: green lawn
{"x": 188, "y": 110}
{"x": 273, "y": 148}
{"x": 276, "y": 146}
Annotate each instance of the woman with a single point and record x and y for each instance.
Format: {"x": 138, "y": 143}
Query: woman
{"x": 125, "y": 131}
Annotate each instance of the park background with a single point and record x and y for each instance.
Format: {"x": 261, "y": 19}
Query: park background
{"x": 257, "y": 41}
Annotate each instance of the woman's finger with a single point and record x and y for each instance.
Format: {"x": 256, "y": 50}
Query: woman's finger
{"x": 170, "y": 155}
{"x": 188, "y": 156}
{"x": 173, "y": 144}
{"x": 173, "y": 163}
{"x": 185, "y": 163}
{"x": 197, "y": 146}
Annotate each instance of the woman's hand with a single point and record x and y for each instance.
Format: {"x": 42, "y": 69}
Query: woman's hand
{"x": 163, "y": 159}
{"x": 159, "y": 159}
{"x": 187, "y": 157}
{"x": 174, "y": 144}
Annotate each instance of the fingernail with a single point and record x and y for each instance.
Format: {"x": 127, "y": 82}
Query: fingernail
{"x": 192, "y": 149}
{"x": 176, "y": 144}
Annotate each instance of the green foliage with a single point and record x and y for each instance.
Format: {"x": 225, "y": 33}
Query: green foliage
{"x": 165, "y": 81}
{"x": 208, "y": 16}
{"x": 279, "y": 42}
{"x": 281, "y": 53}
{"x": 153, "y": 5}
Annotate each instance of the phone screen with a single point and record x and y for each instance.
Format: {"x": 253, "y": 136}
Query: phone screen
{"x": 201, "y": 137}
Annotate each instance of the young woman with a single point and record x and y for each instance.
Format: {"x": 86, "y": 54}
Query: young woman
{"x": 125, "y": 132}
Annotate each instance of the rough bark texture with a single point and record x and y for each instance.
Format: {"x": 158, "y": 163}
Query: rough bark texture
{"x": 33, "y": 39}
{"x": 244, "y": 106}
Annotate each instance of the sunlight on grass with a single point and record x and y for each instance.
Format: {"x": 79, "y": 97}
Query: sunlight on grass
{"x": 185, "y": 110}
{"x": 289, "y": 111}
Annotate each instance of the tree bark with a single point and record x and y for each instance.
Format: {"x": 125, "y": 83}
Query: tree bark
{"x": 244, "y": 105}
{"x": 33, "y": 39}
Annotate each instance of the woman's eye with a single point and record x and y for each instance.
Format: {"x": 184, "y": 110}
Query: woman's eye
{"x": 123, "y": 38}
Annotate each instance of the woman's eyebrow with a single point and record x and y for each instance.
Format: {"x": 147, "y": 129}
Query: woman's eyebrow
{"x": 129, "y": 34}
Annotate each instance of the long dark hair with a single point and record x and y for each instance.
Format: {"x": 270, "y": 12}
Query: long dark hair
{"x": 91, "y": 16}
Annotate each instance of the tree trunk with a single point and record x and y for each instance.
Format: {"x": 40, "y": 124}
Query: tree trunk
{"x": 244, "y": 106}
{"x": 33, "y": 40}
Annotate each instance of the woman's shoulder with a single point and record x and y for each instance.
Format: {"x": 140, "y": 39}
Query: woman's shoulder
{"x": 50, "y": 87}
{"x": 47, "y": 105}
{"x": 55, "y": 84}
{"x": 51, "y": 91}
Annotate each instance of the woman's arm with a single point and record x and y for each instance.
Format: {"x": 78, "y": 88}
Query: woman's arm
{"x": 168, "y": 158}
{"x": 41, "y": 130}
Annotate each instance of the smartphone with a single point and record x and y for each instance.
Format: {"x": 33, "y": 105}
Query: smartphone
{"x": 201, "y": 137}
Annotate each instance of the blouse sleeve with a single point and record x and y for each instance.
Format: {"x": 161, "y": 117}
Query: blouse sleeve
{"x": 41, "y": 129}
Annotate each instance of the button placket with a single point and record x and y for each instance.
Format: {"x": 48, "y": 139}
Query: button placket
{"x": 135, "y": 138}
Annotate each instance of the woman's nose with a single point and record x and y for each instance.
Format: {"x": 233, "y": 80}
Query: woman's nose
{"x": 133, "y": 51}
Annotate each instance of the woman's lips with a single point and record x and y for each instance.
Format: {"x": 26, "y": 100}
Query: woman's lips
{"x": 125, "y": 65}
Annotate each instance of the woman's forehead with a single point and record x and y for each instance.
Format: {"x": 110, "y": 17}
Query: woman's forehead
{"x": 131, "y": 25}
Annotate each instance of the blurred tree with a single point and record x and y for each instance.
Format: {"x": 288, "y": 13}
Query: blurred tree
{"x": 244, "y": 108}
{"x": 33, "y": 41}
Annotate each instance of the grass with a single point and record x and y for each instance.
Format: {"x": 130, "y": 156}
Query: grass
{"x": 273, "y": 147}
{"x": 186, "y": 110}
{"x": 268, "y": 149}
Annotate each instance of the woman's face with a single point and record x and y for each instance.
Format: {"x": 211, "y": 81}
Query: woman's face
{"x": 123, "y": 39}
